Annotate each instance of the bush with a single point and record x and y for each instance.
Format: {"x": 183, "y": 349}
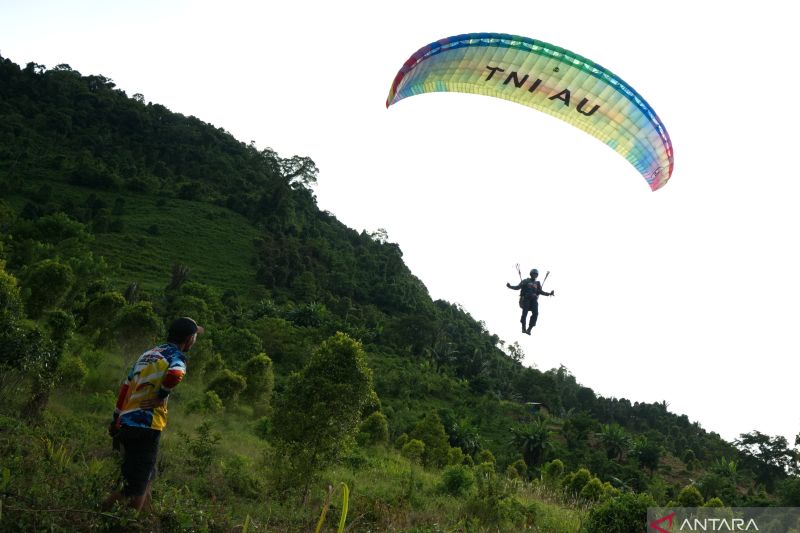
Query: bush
{"x": 552, "y": 472}
{"x": 210, "y": 403}
{"x": 521, "y": 468}
{"x": 374, "y": 429}
{"x": 486, "y": 456}
{"x": 413, "y": 450}
{"x": 430, "y": 430}
{"x": 401, "y": 441}
{"x": 73, "y": 371}
{"x": 592, "y": 490}
{"x": 575, "y": 481}
{"x": 714, "y": 502}
{"x": 47, "y": 283}
{"x": 457, "y": 480}
{"x": 627, "y": 513}
{"x": 455, "y": 456}
{"x": 240, "y": 478}
{"x": 227, "y": 386}
{"x": 260, "y": 379}
{"x": 690, "y": 497}
{"x": 263, "y": 427}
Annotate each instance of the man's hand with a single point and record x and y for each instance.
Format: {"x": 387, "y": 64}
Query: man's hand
{"x": 152, "y": 403}
{"x": 552, "y": 293}
{"x": 508, "y": 285}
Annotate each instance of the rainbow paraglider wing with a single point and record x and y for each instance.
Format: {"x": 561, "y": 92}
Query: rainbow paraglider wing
{"x": 550, "y": 79}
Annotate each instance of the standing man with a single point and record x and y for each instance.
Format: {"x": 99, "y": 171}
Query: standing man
{"x": 529, "y": 299}
{"x": 141, "y": 410}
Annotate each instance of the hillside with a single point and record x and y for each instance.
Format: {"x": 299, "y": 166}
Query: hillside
{"x": 118, "y": 215}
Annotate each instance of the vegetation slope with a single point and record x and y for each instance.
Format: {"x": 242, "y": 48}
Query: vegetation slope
{"x": 326, "y": 367}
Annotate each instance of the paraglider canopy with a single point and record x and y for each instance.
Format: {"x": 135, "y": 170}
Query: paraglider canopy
{"x": 547, "y": 78}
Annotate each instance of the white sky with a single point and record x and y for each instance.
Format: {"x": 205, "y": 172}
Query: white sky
{"x": 688, "y": 294}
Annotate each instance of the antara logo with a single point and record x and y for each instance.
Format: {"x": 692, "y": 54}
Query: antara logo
{"x": 705, "y": 524}
{"x": 655, "y": 523}
{"x": 563, "y": 95}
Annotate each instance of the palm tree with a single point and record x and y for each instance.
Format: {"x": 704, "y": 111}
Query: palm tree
{"x": 533, "y": 441}
{"x": 614, "y": 440}
{"x": 725, "y": 468}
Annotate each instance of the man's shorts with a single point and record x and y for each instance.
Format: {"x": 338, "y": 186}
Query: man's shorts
{"x": 140, "y": 446}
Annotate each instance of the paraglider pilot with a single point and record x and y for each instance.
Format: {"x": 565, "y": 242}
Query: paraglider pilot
{"x": 530, "y": 289}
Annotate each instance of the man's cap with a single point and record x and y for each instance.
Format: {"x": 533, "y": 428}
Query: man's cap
{"x": 534, "y": 271}
{"x": 184, "y": 327}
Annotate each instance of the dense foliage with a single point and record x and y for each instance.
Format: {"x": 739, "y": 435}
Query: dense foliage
{"x": 117, "y": 216}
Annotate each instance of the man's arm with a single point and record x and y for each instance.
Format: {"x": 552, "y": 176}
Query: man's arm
{"x": 514, "y": 287}
{"x": 175, "y": 374}
{"x": 541, "y": 292}
{"x": 121, "y": 396}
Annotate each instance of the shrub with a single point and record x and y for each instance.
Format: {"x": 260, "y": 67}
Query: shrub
{"x": 714, "y": 502}
{"x": 457, "y": 480}
{"x": 575, "y": 481}
{"x": 240, "y": 478}
{"x": 263, "y": 427}
{"x": 521, "y": 468}
{"x": 627, "y": 513}
{"x": 486, "y": 456}
{"x": 136, "y": 326}
{"x": 47, "y": 282}
{"x": 10, "y": 301}
{"x": 430, "y": 430}
{"x": 552, "y": 472}
{"x": 455, "y": 456}
{"x": 690, "y": 497}
{"x": 73, "y": 371}
{"x": 227, "y": 386}
{"x": 260, "y": 379}
{"x": 401, "y": 441}
{"x": 413, "y": 450}
{"x": 375, "y": 429}
{"x": 592, "y": 490}
{"x": 210, "y": 403}
{"x": 319, "y": 411}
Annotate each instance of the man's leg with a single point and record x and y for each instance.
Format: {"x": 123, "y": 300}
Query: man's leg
{"x": 138, "y": 468}
{"x": 524, "y": 316}
{"x": 534, "y": 316}
{"x": 140, "y": 502}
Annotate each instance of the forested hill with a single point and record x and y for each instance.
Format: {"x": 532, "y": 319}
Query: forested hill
{"x": 118, "y": 215}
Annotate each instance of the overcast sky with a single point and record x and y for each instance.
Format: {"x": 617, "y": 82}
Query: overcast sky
{"x": 688, "y": 294}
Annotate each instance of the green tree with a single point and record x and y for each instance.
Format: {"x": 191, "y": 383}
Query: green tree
{"x": 136, "y": 327}
{"x": 614, "y": 439}
{"x": 10, "y": 300}
{"x": 625, "y": 513}
{"x": 375, "y": 429}
{"x": 413, "y": 450}
{"x": 552, "y": 472}
{"x": 592, "y": 490}
{"x": 575, "y": 481}
{"x": 690, "y": 496}
{"x": 318, "y": 413}
{"x": 770, "y": 458}
{"x": 47, "y": 282}
{"x": 237, "y": 344}
{"x": 228, "y": 385}
{"x": 646, "y": 452}
{"x": 533, "y": 441}
{"x": 430, "y": 430}
{"x": 260, "y": 379}
{"x": 102, "y": 309}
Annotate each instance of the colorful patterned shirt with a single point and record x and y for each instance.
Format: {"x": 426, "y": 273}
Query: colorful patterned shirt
{"x": 154, "y": 375}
